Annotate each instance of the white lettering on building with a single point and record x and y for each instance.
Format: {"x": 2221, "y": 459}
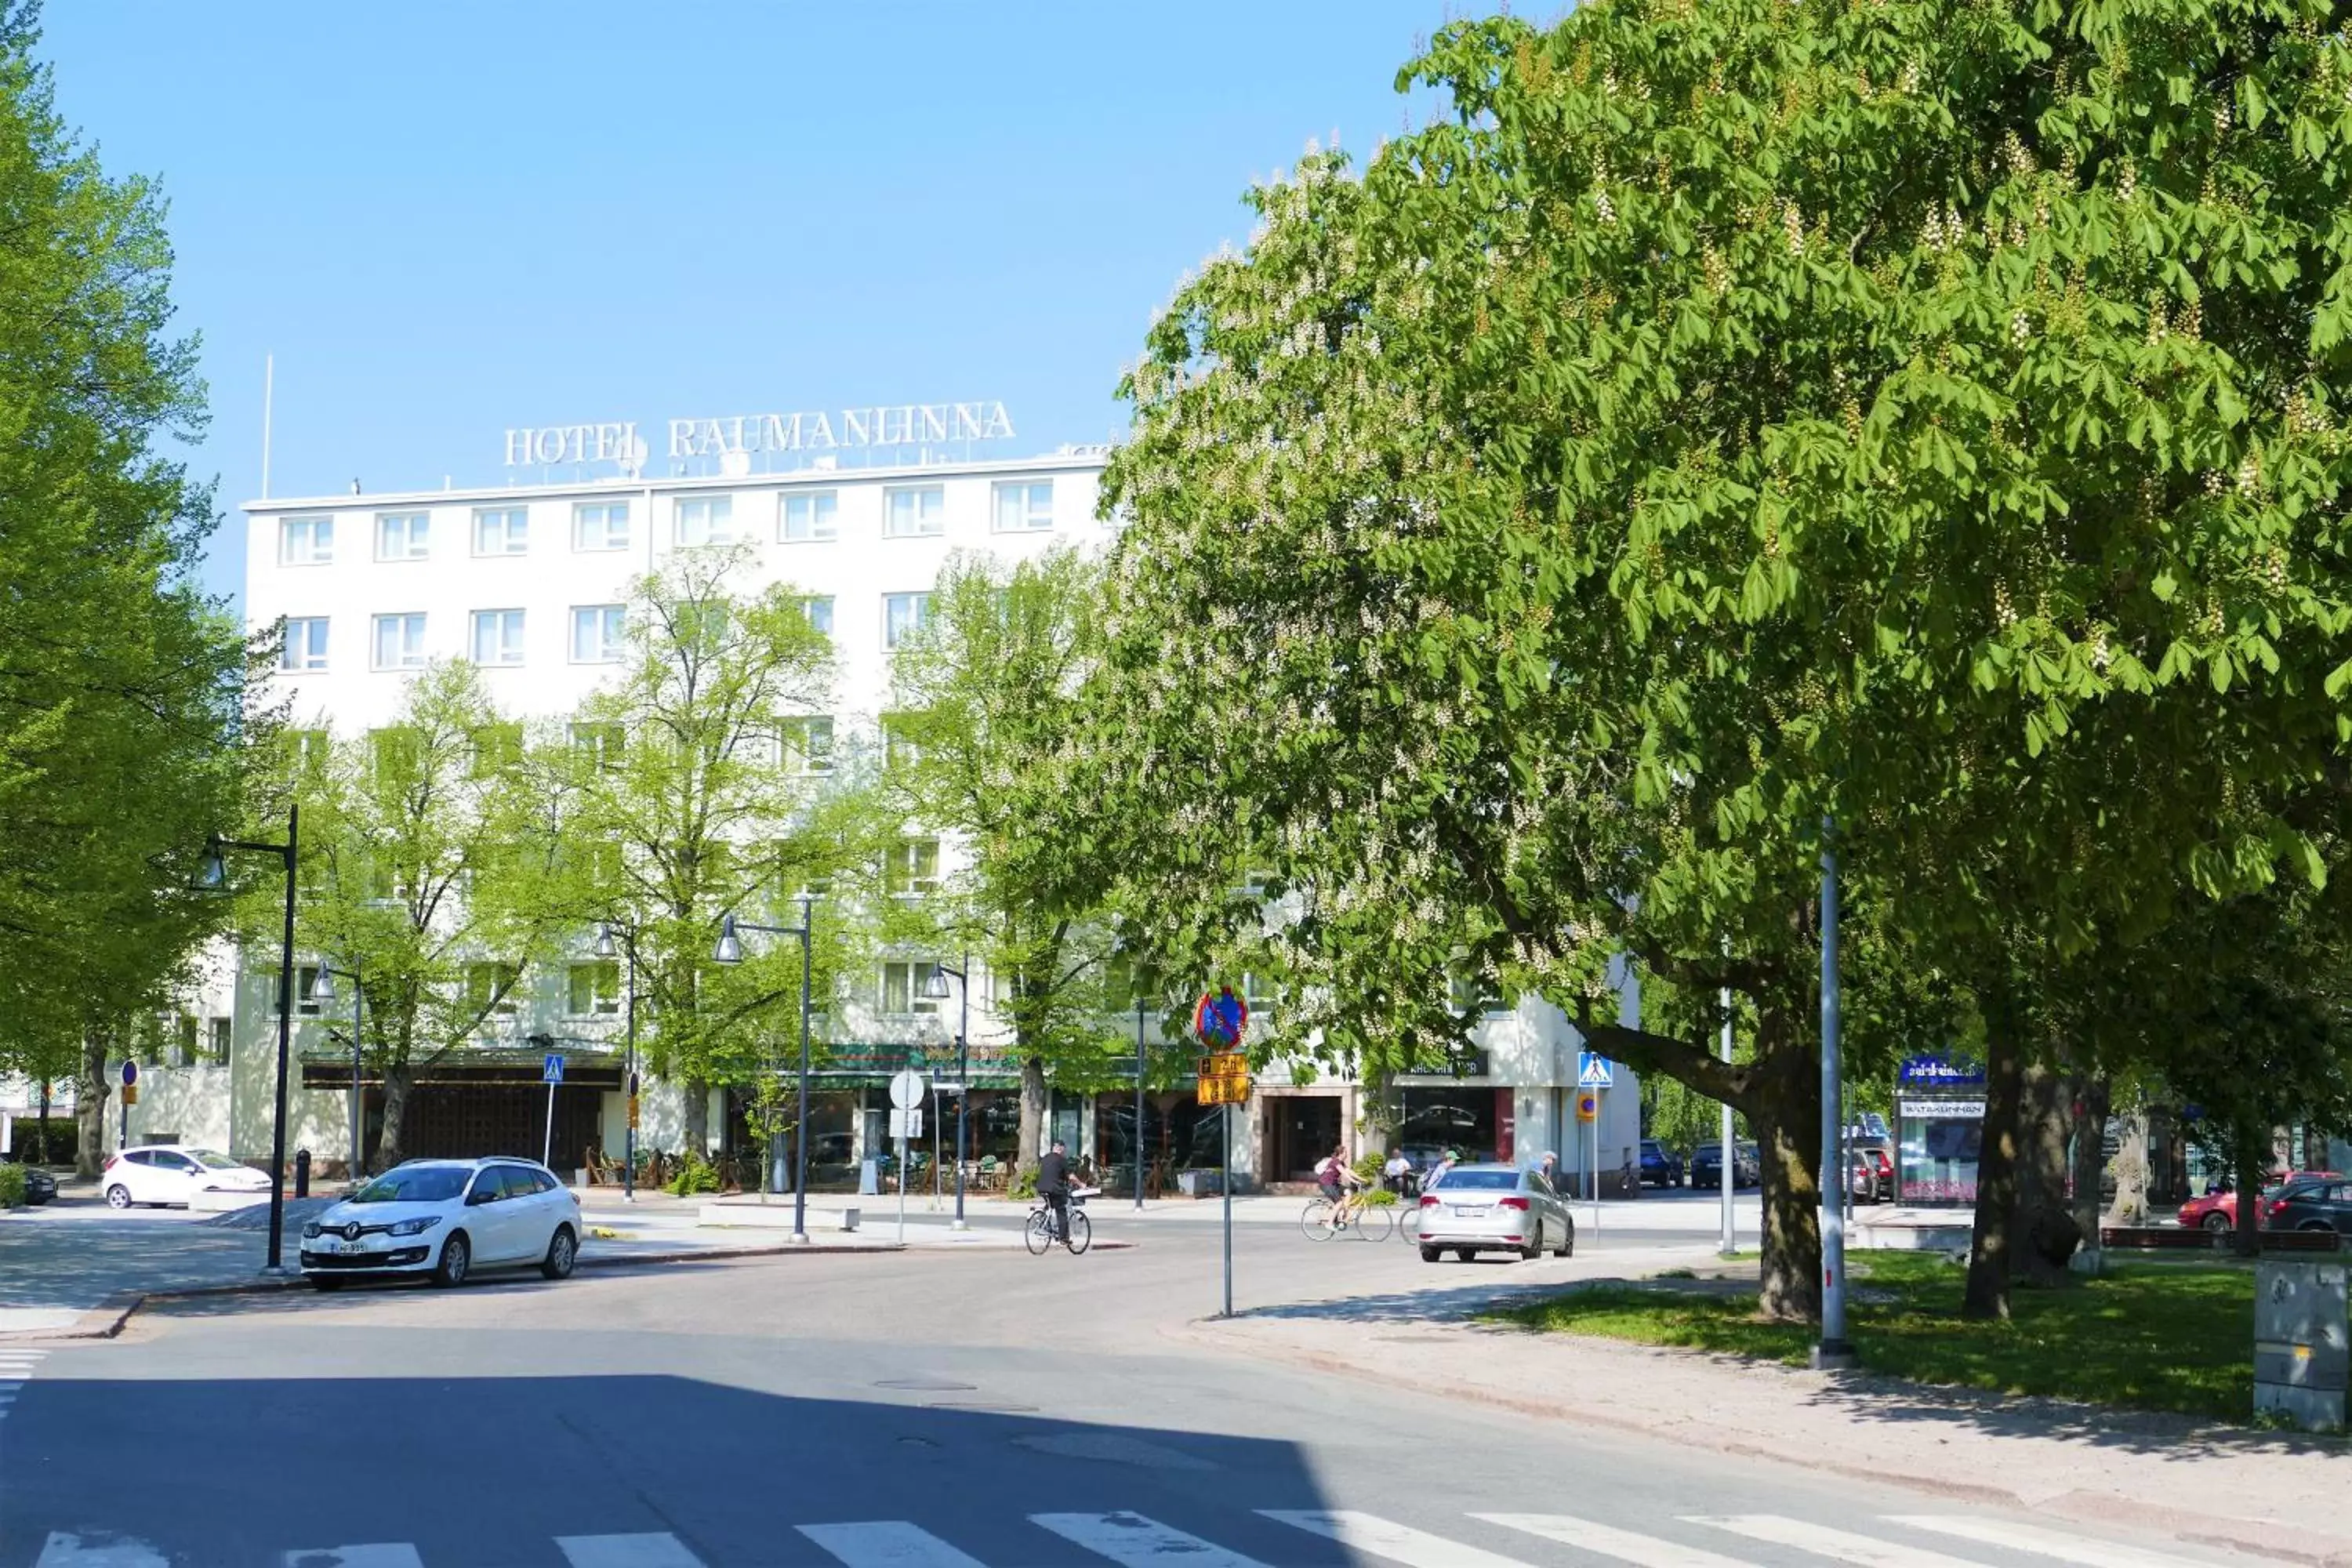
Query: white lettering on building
{"x": 610, "y": 442}
{"x": 853, "y": 430}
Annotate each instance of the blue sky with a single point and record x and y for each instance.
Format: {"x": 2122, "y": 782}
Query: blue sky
{"x": 447, "y": 219}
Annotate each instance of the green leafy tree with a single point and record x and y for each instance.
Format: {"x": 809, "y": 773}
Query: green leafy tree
{"x": 122, "y": 688}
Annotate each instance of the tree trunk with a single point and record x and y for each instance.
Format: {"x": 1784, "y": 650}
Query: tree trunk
{"x": 2088, "y": 1161}
{"x": 89, "y": 1105}
{"x": 2253, "y": 1164}
{"x": 388, "y": 1151}
{"x": 1033, "y": 1116}
{"x": 697, "y": 1119}
{"x": 1988, "y": 1248}
{"x": 42, "y": 1132}
{"x": 2132, "y": 1170}
{"x": 1786, "y": 1116}
{"x": 2043, "y": 1234}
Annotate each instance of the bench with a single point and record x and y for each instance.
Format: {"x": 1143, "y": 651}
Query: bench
{"x": 2174, "y": 1237}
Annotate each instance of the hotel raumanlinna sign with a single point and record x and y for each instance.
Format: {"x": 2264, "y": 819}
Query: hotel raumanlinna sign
{"x": 847, "y": 429}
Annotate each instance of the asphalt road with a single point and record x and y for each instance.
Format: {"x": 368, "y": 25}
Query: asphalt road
{"x": 919, "y": 1410}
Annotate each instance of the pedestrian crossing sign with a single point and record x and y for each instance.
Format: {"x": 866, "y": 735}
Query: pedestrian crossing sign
{"x": 1594, "y": 1070}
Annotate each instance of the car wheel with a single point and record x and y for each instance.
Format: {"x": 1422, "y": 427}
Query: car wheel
{"x": 118, "y": 1196}
{"x": 562, "y": 1252}
{"x": 1465, "y": 1253}
{"x": 456, "y": 1256}
{"x": 1567, "y": 1248}
{"x": 325, "y": 1282}
{"x": 2217, "y": 1222}
{"x": 1431, "y": 1254}
{"x": 1534, "y": 1248}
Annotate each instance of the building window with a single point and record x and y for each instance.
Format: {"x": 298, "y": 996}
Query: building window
{"x": 183, "y": 1040}
{"x": 602, "y": 742}
{"x": 911, "y": 868}
{"x": 306, "y": 645}
{"x": 914, "y": 512}
{"x": 596, "y": 990}
{"x": 818, "y": 611}
{"x": 808, "y": 744}
{"x": 306, "y": 542}
{"x": 902, "y": 989}
{"x": 706, "y": 519}
{"x": 596, "y": 633}
{"x": 809, "y": 515}
{"x": 403, "y": 535}
{"x": 600, "y": 525}
{"x": 497, "y": 749}
{"x": 501, "y": 531}
{"x": 1024, "y": 508}
{"x": 900, "y": 747}
{"x": 218, "y": 1049}
{"x": 399, "y": 641}
{"x": 497, "y": 637}
{"x": 490, "y": 989}
{"x": 306, "y": 986}
{"x": 901, "y": 614}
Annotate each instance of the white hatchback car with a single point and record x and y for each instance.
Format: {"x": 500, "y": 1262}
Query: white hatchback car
{"x": 1493, "y": 1208}
{"x": 174, "y": 1174}
{"x": 446, "y": 1220}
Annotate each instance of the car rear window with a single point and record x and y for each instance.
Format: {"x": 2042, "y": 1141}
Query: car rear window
{"x": 1480, "y": 1181}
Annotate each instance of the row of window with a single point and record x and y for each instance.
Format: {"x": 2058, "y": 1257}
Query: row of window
{"x": 909, "y": 511}
{"x": 496, "y": 639}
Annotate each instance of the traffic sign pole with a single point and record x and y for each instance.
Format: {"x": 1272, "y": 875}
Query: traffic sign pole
{"x": 551, "y": 1068}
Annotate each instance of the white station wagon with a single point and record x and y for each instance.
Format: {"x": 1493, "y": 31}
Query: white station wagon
{"x": 447, "y": 1219}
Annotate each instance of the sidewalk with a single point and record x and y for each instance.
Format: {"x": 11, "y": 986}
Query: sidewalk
{"x": 2281, "y": 1497}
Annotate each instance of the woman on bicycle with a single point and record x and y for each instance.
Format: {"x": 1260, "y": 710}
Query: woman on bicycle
{"x": 1338, "y": 1180}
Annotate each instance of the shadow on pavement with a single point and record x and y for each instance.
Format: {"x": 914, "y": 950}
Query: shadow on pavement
{"x": 493, "y": 1469}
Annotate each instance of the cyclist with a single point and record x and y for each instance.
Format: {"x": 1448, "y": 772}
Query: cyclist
{"x": 1053, "y": 1186}
{"x": 1340, "y": 1183}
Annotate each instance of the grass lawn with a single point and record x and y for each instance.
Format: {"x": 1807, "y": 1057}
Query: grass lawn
{"x": 2156, "y": 1336}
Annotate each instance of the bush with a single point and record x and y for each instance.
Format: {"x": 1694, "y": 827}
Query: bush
{"x": 1024, "y": 1182}
{"x": 12, "y": 1186}
{"x": 1378, "y": 1198}
{"x": 696, "y": 1175}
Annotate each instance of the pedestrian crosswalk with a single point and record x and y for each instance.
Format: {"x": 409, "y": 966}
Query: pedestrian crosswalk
{"x": 15, "y": 1366}
{"x": 1323, "y": 1536}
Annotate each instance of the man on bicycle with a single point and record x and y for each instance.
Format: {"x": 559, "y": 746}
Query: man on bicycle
{"x": 1053, "y": 1186}
{"x": 1340, "y": 1183}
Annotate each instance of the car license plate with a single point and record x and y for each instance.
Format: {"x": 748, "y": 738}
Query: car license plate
{"x": 1469, "y": 1211}
{"x": 341, "y": 1247}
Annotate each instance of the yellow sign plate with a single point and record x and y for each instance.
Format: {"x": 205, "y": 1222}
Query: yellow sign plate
{"x": 1225, "y": 1078}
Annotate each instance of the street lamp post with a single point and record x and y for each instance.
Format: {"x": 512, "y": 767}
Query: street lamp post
{"x": 322, "y": 994}
{"x": 605, "y": 945}
{"x": 730, "y": 951}
{"x": 214, "y": 874}
{"x": 935, "y": 989}
{"x": 1139, "y": 1104}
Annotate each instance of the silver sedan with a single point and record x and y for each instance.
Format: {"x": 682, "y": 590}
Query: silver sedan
{"x": 1494, "y": 1208}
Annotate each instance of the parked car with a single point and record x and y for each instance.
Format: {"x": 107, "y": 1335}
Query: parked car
{"x": 2218, "y": 1210}
{"x": 39, "y": 1185}
{"x": 2311, "y": 1206}
{"x": 1706, "y": 1166}
{"x": 173, "y": 1173}
{"x": 1660, "y": 1166}
{"x": 447, "y": 1219}
{"x": 1473, "y": 1209}
{"x": 1874, "y": 1173}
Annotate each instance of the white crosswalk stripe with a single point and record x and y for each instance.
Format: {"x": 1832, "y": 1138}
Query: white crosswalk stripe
{"x": 63, "y": 1550}
{"x": 379, "y": 1554}
{"x": 1378, "y": 1537}
{"x": 1839, "y": 1545}
{"x": 657, "y": 1549}
{"x": 888, "y": 1543}
{"x": 2063, "y": 1545}
{"x": 1608, "y": 1541}
{"x": 1132, "y": 1541}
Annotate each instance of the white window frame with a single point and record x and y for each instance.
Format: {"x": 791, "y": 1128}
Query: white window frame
{"x": 501, "y": 531}
{"x": 604, "y": 512}
{"x": 930, "y": 519}
{"x": 601, "y": 1003}
{"x": 902, "y": 871}
{"x": 318, "y": 537}
{"x": 820, "y": 525}
{"x": 800, "y": 753}
{"x": 611, "y": 625}
{"x": 817, "y": 610}
{"x": 1026, "y": 492}
{"x": 716, "y": 520}
{"x": 306, "y": 633}
{"x": 509, "y": 627}
{"x": 411, "y": 657}
{"x": 415, "y": 535}
{"x": 914, "y": 972}
{"x": 921, "y": 604}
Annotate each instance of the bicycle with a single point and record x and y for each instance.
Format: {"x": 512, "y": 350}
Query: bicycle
{"x": 1039, "y": 1232}
{"x": 1323, "y": 1219}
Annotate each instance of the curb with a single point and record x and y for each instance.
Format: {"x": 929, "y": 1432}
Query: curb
{"x": 2278, "y": 1542}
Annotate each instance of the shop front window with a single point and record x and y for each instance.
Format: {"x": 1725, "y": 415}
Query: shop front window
{"x": 1434, "y": 1121}
{"x": 1941, "y": 1140}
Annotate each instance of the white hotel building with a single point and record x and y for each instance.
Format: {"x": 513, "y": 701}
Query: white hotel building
{"x": 528, "y": 579}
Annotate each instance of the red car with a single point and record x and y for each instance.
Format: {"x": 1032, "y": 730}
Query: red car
{"x": 2219, "y": 1211}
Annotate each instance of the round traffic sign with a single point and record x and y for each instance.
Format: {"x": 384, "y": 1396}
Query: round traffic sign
{"x": 1587, "y": 1107}
{"x": 907, "y": 1089}
{"x": 129, "y": 1074}
{"x": 1220, "y": 1018}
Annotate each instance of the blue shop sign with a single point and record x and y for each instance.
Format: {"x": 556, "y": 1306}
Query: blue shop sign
{"x": 1939, "y": 1072}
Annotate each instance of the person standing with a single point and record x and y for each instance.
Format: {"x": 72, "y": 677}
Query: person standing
{"x": 1053, "y": 1186}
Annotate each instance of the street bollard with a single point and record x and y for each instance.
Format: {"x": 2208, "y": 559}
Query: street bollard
{"x": 301, "y": 1173}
